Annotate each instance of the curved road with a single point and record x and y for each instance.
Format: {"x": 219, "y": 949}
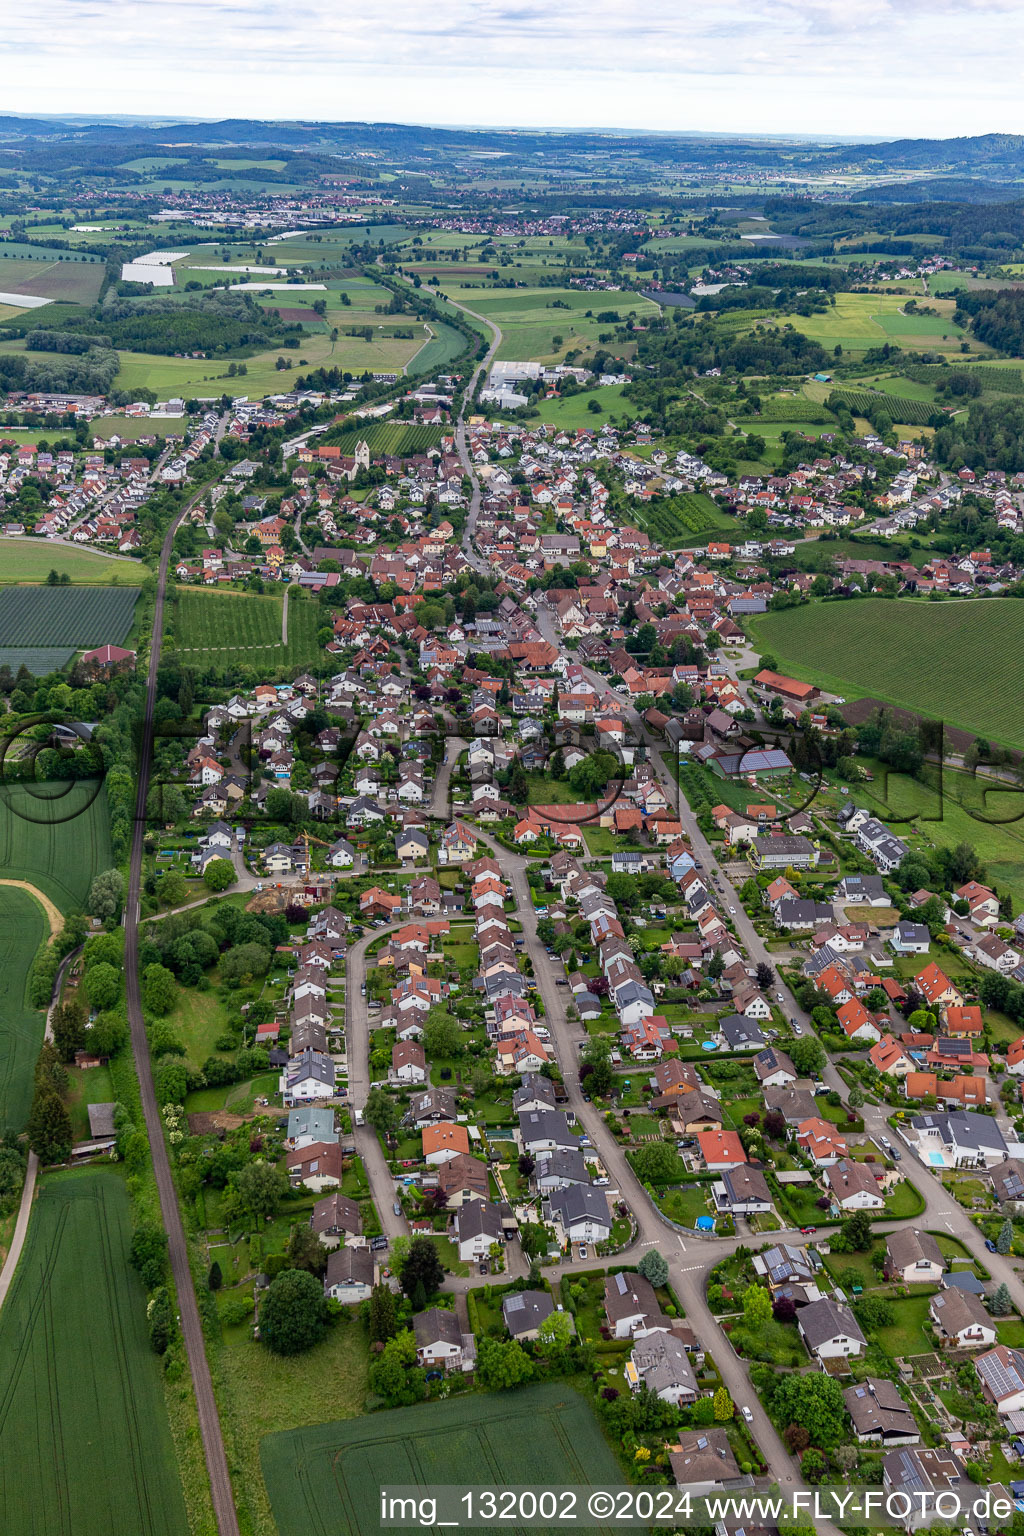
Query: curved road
{"x": 460, "y": 437}
{"x": 191, "y": 1327}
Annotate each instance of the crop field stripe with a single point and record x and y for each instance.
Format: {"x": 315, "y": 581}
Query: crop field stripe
{"x": 87, "y": 1447}
{"x": 915, "y": 413}
{"x": 22, "y": 930}
{"x": 65, "y": 616}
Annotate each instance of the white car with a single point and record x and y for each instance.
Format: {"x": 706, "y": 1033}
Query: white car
{"x": 780, "y": 997}
{"x": 733, "y": 911}
{"x": 747, "y": 1415}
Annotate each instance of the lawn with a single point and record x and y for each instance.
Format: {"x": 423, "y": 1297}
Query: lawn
{"x": 955, "y": 661}
{"x": 87, "y": 1442}
{"x": 87, "y": 1086}
{"x": 238, "y": 1097}
{"x": 22, "y": 929}
{"x": 685, "y": 1203}
{"x": 329, "y": 1478}
{"x": 263, "y": 1394}
{"x": 907, "y": 1335}
{"x": 34, "y": 559}
{"x": 198, "y": 1019}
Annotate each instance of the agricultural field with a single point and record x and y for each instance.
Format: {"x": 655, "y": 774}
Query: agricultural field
{"x": 955, "y": 661}
{"x": 56, "y": 836}
{"x": 22, "y": 929}
{"x": 232, "y": 629}
{"x": 684, "y": 519}
{"x": 529, "y": 323}
{"x": 915, "y": 413}
{"x": 385, "y": 437}
{"x": 87, "y": 1442}
{"x": 328, "y": 1479}
{"x": 61, "y": 621}
{"x": 858, "y": 321}
{"x": 75, "y": 280}
{"x": 443, "y": 346}
{"x": 33, "y": 560}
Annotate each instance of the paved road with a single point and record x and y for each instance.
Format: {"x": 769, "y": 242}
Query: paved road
{"x": 192, "y": 1332}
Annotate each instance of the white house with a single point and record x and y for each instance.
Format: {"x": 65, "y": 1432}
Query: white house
{"x": 829, "y": 1329}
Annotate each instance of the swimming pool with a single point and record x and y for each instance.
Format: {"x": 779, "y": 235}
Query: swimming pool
{"x": 709, "y": 1045}
{"x": 937, "y": 1159}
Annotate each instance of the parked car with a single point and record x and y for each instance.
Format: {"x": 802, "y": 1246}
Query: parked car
{"x": 990, "y": 1245}
{"x": 583, "y": 1252}
{"x": 397, "y": 1207}
{"x": 747, "y": 1415}
{"x": 807, "y": 1231}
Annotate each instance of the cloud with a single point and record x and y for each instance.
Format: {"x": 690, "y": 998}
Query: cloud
{"x": 826, "y": 66}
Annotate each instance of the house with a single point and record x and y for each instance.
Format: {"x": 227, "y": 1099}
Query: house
{"x": 961, "y": 1321}
{"x": 910, "y": 938}
{"x": 958, "y": 1139}
{"x": 1001, "y": 1372}
{"x": 830, "y": 1330}
{"x": 545, "y": 1130}
{"x": 821, "y": 1140}
{"x": 309, "y": 1123}
{"x": 557, "y": 1170}
{"x": 524, "y": 1311}
{"x": 982, "y": 904}
{"x": 703, "y": 1462}
{"x": 790, "y": 1268}
{"x": 742, "y": 1191}
{"x": 857, "y": 1023}
{"x": 936, "y": 988}
{"x": 334, "y": 1218}
{"x": 774, "y": 1068}
{"x": 408, "y": 1063}
{"x": 631, "y": 1307}
{"x": 534, "y": 1092}
{"x": 741, "y": 1034}
{"x": 853, "y": 1187}
{"x": 445, "y": 1140}
{"x": 580, "y": 1214}
{"x": 913, "y": 1257}
{"x": 659, "y": 1362}
{"x": 720, "y": 1150}
{"x": 889, "y": 1056}
{"x": 878, "y": 1413}
{"x": 463, "y": 1178}
{"x": 317, "y": 1165}
{"x": 477, "y": 1226}
{"x": 351, "y": 1275}
{"x": 438, "y": 1337}
{"x": 922, "y": 1476}
{"x": 431, "y": 1107}
{"x": 310, "y": 1075}
{"x": 1008, "y": 1183}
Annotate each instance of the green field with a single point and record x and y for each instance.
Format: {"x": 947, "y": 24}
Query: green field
{"x": 22, "y": 929}
{"x": 34, "y": 559}
{"x": 242, "y": 629}
{"x": 690, "y": 518}
{"x": 326, "y": 1481}
{"x": 385, "y": 437}
{"x": 444, "y": 346}
{"x": 529, "y": 320}
{"x": 574, "y": 411}
{"x": 858, "y": 321}
{"x": 955, "y": 661}
{"x": 63, "y": 619}
{"x": 87, "y": 1444}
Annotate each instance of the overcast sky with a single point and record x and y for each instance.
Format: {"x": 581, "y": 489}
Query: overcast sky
{"x": 876, "y": 67}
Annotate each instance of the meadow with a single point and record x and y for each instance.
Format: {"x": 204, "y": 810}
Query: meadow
{"x": 529, "y": 323}
{"x": 328, "y": 1479}
{"x": 87, "y": 1442}
{"x": 858, "y": 321}
{"x": 242, "y": 629}
{"x": 56, "y": 836}
{"x": 34, "y": 559}
{"x": 22, "y": 929}
{"x": 954, "y": 661}
{"x": 574, "y": 411}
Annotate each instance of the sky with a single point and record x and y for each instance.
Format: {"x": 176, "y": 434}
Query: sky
{"x": 878, "y": 67}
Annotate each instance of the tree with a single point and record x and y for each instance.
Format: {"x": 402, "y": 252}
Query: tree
{"x": 874, "y": 1312}
{"x": 215, "y": 1279}
{"x": 1001, "y": 1302}
{"x": 102, "y": 985}
{"x": 293, "y": 1314}
{"x": 596, "y": 1067}
{"x": 106, "y": 894}
{"x": 170, "y": 1080}
{"x": 856, "y": 1230}
{"x": 260, "y": 1186}
{"x": 159, "y": 989}
{"x": 382, "y": 1314}
{"x": 807, "y": 1056}
{"x": 502, "y": 1363}
{"x": 219, "y": 874}
{"x": 812, "y": 1402}
{"x": 716, "y": 965}
{"x": 244, "y": 962}
{"x": 49, "y": 1126}
{"x": 813, "y": 1465}
{"x": 555, "y": 1333}
{"x": 442, "y": 1036}
{"x": 390, "y": 1374}
{"x": 856, "y": 1097}
{"x": 69, "y": 1029}
{"x": 305, "y": 1250}
{"x": 162, "y": 1322}
{"x": 757, "y": 1306}
{"x": 382, "y": 1112}
{"x": 764, "y": 975}
{"x": 654, "y": 1267}
{"x": 657, "y": 1162}
{"x": 421, "y": 1266}
{"x": 147, "y": 1253}
{"x": 1004, "y": 1242}
{"x": 797, "y": 1438}
{"x": 724, "y": 1406}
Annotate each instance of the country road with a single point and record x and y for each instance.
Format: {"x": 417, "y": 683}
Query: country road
{"x": 460, "y": 438}
{"x": 191, "y": 1327}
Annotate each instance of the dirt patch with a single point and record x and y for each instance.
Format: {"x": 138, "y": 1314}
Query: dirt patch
{"x": 53, "y": 916}
{"x": 207, "y": 1123}
{"x": 878, "y": 917}
{"x": 295, "y": 316}
{"x": 268, "y": 901}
